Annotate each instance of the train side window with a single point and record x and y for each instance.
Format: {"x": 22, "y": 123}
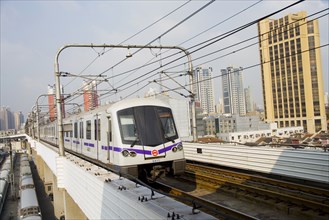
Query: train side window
{"x": 110, "y": 129}
{"x": 81, "y": 129}
{"x": 67, "y": 128}
{"x": 75, "y": 129}
{"x": 88, "y": 129}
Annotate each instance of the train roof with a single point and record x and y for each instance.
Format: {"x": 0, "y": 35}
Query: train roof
{"x": 3, "y": 184}
{"x": 5, "y": 166}
{"x": 4, "y": 174}
{"x": 28, "y": 198}
{"x": 25, "y": 170}
{"x": 24, "y": 157}
{"x": 25, "y": 163}
{"x": 27, "y": 180}
{"x": 34, "y": 217}
{"x": 125, "y": 103}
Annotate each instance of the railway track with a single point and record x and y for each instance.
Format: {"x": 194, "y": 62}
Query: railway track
{"x": 263, "y": 198}
{"x": 304, "y": 196}
{"x": 217, "y": 210}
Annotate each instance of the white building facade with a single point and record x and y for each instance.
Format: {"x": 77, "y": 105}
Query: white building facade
{"x": 233, "y": 92}
{"x": 204, "y": 89}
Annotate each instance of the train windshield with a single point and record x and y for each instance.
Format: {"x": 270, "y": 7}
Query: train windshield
{"x": 147, "y": 125}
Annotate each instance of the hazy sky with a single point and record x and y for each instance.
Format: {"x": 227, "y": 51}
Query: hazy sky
{"x": 32, "y": 32}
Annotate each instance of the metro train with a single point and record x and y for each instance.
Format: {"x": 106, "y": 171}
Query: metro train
{"x": 134, "y": 136}
{"x": 29, "y": 206}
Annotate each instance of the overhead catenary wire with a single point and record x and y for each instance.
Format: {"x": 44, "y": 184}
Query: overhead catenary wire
{"x": 216, "y": 40}
{"x": 202, "y": 42}
{"x": 258, "y": 64}
{"x": 245, "y": 68}
{"x": 247, "y": 46}
{"x": 163, "y": 34}
{"x": 232, "y": 16}
{"x": 134, "y": 35}
{"x": 236, "y": 50}
{"x": 252, "y": 44}
{"x": 148, "y": 63}
{"x": 221, "y": 37}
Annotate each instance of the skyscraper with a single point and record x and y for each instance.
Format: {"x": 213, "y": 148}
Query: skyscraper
{"x": 204, "y": 89}
{"x": 90, "y": 97}
{"x": 291, "y": 72}
{"x": 52, "y": 103}
{"x": 6, "y": 119}
{"x": 19, "y": 120}
{"x": 233, "y": 92}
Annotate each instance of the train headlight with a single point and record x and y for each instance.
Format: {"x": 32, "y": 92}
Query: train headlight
{"x": 180, "y": 146}
{"x": 174, "y": 149}
{"x": 125, "y": 153}
{"x": 132, "y": 153}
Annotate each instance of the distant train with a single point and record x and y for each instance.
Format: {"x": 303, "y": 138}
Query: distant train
{"x": 134, "y": 136}
{"x": 29, "y": 206}
{"x": 4, "y": 180}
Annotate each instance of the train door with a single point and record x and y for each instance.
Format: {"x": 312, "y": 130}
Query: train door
{"x": 150, "y": 134}
{"x": 97, "y": 126}
{"x": 75, "y": 139}
{"x": 109, "y": 145}
{"x": 168, "y": 127}
{"x": 160, "y": 132}
{"x": 67, "y": 133}
{"x": 81, "y": 135}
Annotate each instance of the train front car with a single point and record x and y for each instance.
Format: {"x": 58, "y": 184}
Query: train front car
{"x": 146, "y": 139}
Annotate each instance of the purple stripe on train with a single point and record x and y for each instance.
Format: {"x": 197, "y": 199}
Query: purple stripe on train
{"x": 88, "y": 144}
{"x": 140, "y": 151}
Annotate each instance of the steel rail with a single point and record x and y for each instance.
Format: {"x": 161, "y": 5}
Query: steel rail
{"x": 222, "y": 211}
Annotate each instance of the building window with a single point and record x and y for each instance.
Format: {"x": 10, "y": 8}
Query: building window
{"x": 310, "y": 27}
{"x": 291, "y": 31}
{"x": 318, "y": 126}
{"x": 297, "y": 29}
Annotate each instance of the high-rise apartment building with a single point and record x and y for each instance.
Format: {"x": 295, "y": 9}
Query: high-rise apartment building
{"x": 19, "y": 120}
{"x": 90, "y": 97}
{"x": 7, "y": 119}
{"x": 51, "y": 103}
{"x": 249, "y": 100}
{"x": 233, "y": 92}
{"x": 291, "y": 72}
{"x": 204, "y": 89}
